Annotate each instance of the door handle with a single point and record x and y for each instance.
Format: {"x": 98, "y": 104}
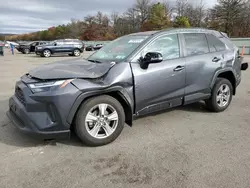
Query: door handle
{"x": 179, "y": 68}
{"x": 216, "y": 59}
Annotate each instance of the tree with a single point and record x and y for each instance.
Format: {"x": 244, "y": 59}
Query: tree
{"x": 181, "y": 6}
{"x": 228, "y": 13}
{"x": 243, "y": 22}
{"x": 142, "y": 7}
{"x": 181, "y": 21}
{"x": 196, "y": 14}
{"x": 158, "y": 18}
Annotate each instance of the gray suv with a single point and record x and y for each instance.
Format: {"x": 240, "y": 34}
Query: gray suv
{"x": 73, "y": 47}
{"x": 132, "y": 76}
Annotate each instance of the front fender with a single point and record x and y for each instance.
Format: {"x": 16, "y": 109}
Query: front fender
{"x": 125, "y": 93}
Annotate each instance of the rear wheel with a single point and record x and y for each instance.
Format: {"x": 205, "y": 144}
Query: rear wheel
{"x": 46, "y": 53}
{"x": 76, "y": 52}
{"x": 222, "y": 94}
{"x": 100, "y": 120}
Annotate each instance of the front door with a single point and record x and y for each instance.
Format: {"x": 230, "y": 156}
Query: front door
{"x": 161, "y": 85}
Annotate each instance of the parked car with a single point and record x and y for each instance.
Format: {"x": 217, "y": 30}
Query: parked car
{"x": 29, "y": 47}
{"x": 7, "y": 44}
{"x": 132, "y": 76}
{"x": 94, "y": 47}
{"x": 72, "y": 47}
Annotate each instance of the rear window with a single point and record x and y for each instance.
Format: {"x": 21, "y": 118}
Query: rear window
{"x": 196, "y": 44}
{"x": 215, "y": 45}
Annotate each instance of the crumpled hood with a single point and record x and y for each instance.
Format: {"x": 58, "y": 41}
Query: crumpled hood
{"x": 74, "y": 68}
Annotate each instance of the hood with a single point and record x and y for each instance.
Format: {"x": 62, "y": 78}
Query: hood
{"x": 77, "y": 68}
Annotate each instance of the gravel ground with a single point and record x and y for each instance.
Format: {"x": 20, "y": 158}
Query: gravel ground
{"x": 184, "y": 147}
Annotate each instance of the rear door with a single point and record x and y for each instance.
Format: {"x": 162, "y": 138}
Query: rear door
{"x": 201, "y": 64}
{"x": 68, "y": 45}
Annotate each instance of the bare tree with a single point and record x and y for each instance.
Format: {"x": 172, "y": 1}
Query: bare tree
{"x": 195, "y": 14}
{"x": 142, "y": 7}
{"x": 76, "y": 27}
{"x": 181, "y": 6}
{"x": 133, "y": 18}
{"x": 168, "y": 8}
{"x": 228, "y": 12}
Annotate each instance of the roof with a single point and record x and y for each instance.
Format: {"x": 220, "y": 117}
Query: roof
{"x": 174, "y": 30}
{"x": 144, "y": 33}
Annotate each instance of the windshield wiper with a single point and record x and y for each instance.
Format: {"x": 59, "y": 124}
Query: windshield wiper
{"x": 94, "y": 61}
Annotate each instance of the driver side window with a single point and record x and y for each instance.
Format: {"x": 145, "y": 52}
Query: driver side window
{"x": 167, "y": 45}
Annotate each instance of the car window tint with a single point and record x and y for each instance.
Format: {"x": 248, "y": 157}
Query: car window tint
{"x": 215, "y": 44}
{"x": 196, "y": 44}
{"x": 167, "y": 45}
{"x": 59, "y": 43}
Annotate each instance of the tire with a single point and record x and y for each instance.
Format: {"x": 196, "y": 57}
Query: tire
{"x": 46, "y": 53}
{"x": 83, "y": 128}
{"x": 26, "y": 51}
{"x": 76, "y": 52}
{"x": 214, "y": 104}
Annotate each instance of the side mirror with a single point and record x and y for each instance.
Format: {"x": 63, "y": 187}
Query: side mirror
{"x": 55, "y": 44}
{"x": 150, "y": 57}
{"x": 244, "y": 66}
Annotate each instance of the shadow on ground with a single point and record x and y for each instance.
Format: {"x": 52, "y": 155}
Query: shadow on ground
{"x": 10, "y": 135}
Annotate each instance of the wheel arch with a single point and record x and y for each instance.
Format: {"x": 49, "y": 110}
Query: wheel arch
{"x": 77, "y": 49}
{"x": 51, "y": 51}
{"x": 227, "y": 74}
{"x": 118, "y": 94}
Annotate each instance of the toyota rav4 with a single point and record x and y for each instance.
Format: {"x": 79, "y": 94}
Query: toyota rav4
{"x": 132, "y": 76}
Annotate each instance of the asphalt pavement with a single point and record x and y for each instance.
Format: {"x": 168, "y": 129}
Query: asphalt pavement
{"x": 185, "y": 147}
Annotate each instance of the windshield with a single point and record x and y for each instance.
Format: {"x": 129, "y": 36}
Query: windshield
{"x": 119, "y": 49}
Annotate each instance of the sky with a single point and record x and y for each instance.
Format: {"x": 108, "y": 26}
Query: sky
{"x": 24, "y": 16}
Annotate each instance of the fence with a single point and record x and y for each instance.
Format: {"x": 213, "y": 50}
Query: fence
{"x": 240, "y": 42}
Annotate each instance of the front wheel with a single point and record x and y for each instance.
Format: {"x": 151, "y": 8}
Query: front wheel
{"x": 26, "y": 51}
{"x": 46, "y": 53}
{"x": 222, "y": 94}
{"x": 100, "y": 120}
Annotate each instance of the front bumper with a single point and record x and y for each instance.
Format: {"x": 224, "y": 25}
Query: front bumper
{"x": 28, "y": 127}
{"x": 38, "y": 51}
{"x": 43, "y": 115}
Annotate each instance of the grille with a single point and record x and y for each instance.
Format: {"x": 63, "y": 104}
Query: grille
{"x": 19, "y": 95}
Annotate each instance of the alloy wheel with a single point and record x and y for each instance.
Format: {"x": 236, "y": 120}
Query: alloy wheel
{"x": 26, "y": 51}
{"x": 223, "y": 95}
{"x": 77, "y": 53}
{"x": 101, "y": 121}
{"x": 46, "y": 53}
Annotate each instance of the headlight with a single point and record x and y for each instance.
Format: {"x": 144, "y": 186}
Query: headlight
{"x": 46, "y": 86}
